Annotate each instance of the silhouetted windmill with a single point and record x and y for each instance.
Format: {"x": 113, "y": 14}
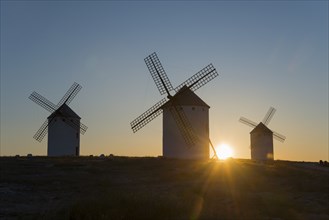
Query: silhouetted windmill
{"x": 261, "y": 137}
{"x": 63, "y": 125}
{"x": 185, "y": 115}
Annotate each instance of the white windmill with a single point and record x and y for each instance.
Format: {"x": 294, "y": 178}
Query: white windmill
{"x": 261, "y": 137}
{"x": 185, "y": 115}
{"x": 63, "y": 125}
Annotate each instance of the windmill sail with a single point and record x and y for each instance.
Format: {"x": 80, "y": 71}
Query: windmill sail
{"x": 70, "y": 94}
{"x": 248, "y": 122}
{"x": 269, "y": 116}
{"x": 43, "y": 102}
{"x": 148, "y": 116}
{"x": 183, "y": 124}
{"x": 199, "y": 79}
{"x": 42, "y": 131}
{"x": 279, "y": 137}
{"x": 158, "y": 74}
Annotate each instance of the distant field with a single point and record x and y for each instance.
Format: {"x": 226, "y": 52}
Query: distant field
{"x": 155, "y": 188}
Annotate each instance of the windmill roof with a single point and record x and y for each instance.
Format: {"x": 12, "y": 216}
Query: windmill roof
{"x": 64, "y": 111}
{"x": 261, "y": 128}
{"x": 185, "y": 96}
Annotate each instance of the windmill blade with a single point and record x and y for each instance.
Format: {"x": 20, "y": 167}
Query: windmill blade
{"x": 279, "y": 137}
{"x": 183, "y": 124}
{"x": 158, "y": 74}
{"x": 41, "y": 133}
{"x": 83, "y": 128}
{"x": 200, "y": 78}
{"x": 43, "y": 130}
{"x": 247, "y": 122}
{"x": 43, "y": 102}
{"x": 70, "y": 94}
{"x": 147, "y": 116}
{"x": 76, "y": 125}
{"x": 269, "y": 116}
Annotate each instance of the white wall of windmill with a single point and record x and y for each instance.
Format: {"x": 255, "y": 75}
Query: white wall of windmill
{"x": 174, "y": 144}
{"x": 63, "y": 139}
{"x": 261, "y": 144}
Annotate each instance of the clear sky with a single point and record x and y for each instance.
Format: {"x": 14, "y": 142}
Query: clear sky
{"x": 268, "y": 53}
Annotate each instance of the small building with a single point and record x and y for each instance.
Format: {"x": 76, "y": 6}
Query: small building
{"x": 261, "y": 139}
{"x": 64, "y": 132}
{"x": 197, "y": 113}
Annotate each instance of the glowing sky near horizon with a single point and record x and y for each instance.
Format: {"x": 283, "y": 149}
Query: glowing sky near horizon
{"x": 267, "y": 53}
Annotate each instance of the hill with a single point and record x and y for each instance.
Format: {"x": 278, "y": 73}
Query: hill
{"x": 157, "y": 188}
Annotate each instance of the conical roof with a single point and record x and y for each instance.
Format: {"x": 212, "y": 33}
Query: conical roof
{"x": 261, "y": 128}
{"x": 64, "y": 111}
{"x": 185, "y": 97}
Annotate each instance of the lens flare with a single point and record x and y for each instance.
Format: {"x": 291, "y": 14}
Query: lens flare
{"x": 224, "y": 151}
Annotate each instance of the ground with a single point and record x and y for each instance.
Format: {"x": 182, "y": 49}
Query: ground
{"x": 158, "y": 188}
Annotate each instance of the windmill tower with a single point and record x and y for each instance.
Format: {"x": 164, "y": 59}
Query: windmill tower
{"x": 185, "y": 115}
{"x": 63, "y": 125}
{"x": 261, "y": 137}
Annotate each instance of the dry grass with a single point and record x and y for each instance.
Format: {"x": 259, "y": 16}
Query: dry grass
{"x": 154, "y": 188}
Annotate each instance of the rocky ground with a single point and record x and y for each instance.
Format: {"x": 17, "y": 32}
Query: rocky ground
{"x": 157, "y": 188}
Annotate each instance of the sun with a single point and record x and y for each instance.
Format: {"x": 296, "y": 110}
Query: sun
{"x": 224, "y": 151}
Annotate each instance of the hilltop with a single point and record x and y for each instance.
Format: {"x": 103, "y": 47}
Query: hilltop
{"x": 157, "y": 188}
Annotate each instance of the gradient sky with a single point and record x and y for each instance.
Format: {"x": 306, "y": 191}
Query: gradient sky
{"x": 268, "y": 53}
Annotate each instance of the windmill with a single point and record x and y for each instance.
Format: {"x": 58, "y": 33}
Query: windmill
{"x": 63, "y": 125}
{"x": 185, "y": 115}
{"x": 261, "y": 137}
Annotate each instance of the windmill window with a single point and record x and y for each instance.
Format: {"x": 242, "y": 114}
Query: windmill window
{"x": 77, "y": 135}
{"x": 63, "y": 119}
{"x": 193, "y": 108}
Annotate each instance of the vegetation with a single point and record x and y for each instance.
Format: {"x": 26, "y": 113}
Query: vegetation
{"x": 157, "y": 188}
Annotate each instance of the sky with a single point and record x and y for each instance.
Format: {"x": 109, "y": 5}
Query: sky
{"x": 267, "y": 53}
